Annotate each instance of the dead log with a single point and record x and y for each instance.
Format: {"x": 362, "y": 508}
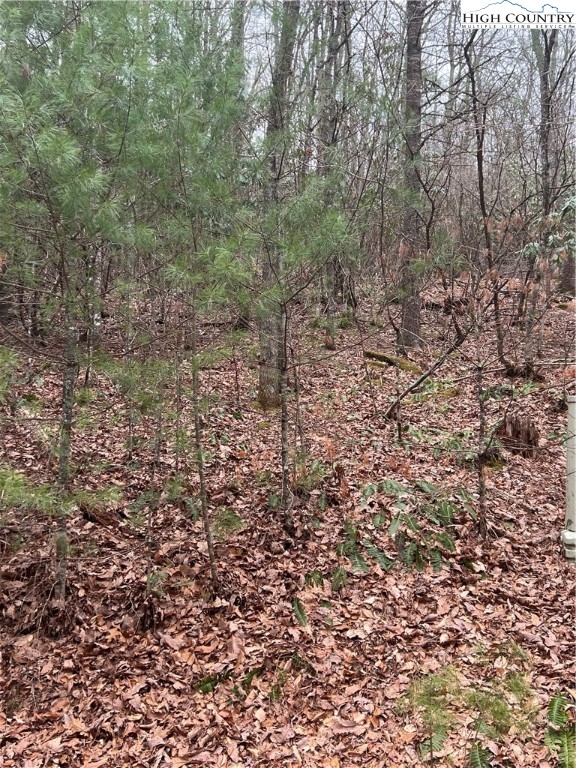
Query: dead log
{"x": 398, "y": 362}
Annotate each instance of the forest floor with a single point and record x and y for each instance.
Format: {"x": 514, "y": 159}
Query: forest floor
{"x": 382, "y": 632}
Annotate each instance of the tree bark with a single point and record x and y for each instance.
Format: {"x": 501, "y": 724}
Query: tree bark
{"x": 7, "y": 302}
{"x": 543, "y": 43}
{"x": 270, "y": 325}
{"x": 479, "y": 116}
{"x": 411, "y": 243}
{"x": 336, "y": 32}
{"x": 199, "y": 450}
{"x": 287, "y": 495}
{"x": 64, "y": 449}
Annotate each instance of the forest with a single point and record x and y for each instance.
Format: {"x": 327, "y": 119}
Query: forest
{"x": 287, "y": 327}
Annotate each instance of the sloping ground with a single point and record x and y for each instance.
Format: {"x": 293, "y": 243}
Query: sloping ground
{"x": 307, "y": 654}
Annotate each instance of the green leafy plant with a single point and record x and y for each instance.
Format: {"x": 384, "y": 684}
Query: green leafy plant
{"x": 17, "y": 492}
{"x": 431, "y": 696}
{"x": 493, "y": 715}
{"x": 8, "y": 367}
{"x": 308, "y": 475}
{"x": 442, "y": 389}
{"x": 458, "y": 444}
{"x": 137, "y": 509}
{"x": 210, "y": 682}
{"x": 417, "y": 547}
{"x": 226, "y": 522}
{"x": 350, "y": 548}
{"x": 385, "y": 562}
{"x": 314, "y": 579}
{"x": 560, "y": 736}
{"x": 356, "y": 550}
{"x": 422, "y": 527}
{"x": 338, "y": 579}
{"x": 440, "y": 699}
{"x": 156, "y": 581}
{"x": 299, "y": 612}
{"x": 479, "y": 757}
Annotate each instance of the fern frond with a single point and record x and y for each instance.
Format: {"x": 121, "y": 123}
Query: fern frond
{"x": 359, "y": 564}
{"x": 567, "y": 749}
{"x": 438, "y": 738}
{"x": 436, "y": 559}
{"x": 386, "y": 563}
{"x": 392, "y": 488}
{"x": 428, "y": 488}
{"x": 446, "y": 541}
{"x": 299, "y": 612}
{"x": 394, "y": 525}
{"x": 478, "y": 757}
{"x": 557, "y": 714}
{"x": 433, "y": 743}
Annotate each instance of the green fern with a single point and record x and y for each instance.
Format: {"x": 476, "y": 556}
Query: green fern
{"x": 359, "y": 564}
{"x": 429, "y": 489}
{"x": 338, "y": 579}
{"x": 394, "y": 526}
{"x": 433, "y": 743}
{"x": 386, "y": 563}
{"x": 392, "y": 488}
{"x": 478, "y": 757}
{"x": 436, "y": 559}
{"x": 314, "y": 579}
{"x": 557, "y": 711}
{"x": 299, "y": 612}
{"x": 562, "y": 744}
{"x": 349, "y": 548}
{"x": 567, "y": 749}
{"x": 418, "y": 558}
{"x": 442, "y": 513}
{"x": 446, "y": 541}
{"x": 560, "y": 737}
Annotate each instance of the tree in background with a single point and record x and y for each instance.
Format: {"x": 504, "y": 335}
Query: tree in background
{"x": 412, "y": 225}
{"x": 276, "y": 145}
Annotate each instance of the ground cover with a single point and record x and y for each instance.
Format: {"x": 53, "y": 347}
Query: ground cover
{"x": 382, "y": 631}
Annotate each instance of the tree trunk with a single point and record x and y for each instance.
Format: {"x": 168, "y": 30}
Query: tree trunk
{"x": 568, "y": 276}
{"x": 543, "y": 42}
{"x": 270, "y": 309}
{"x": 336, "y": 32}
{"x": 68, "y": 381}
{"x": 94, "y": 318}
{"x": 479, "y": 116}
{"x": 411, "y": 244}
{"x": 287, "y": 495}
{"x": 7, "y": 302}
{"x": 199, "y": 450}
{"x": 481, "y": 458}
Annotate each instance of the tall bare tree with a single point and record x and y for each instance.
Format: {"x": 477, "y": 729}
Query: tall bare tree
{"x": 411, "y": 242}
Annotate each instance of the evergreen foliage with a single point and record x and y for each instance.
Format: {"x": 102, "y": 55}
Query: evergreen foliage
{"x": 560, "y": 736}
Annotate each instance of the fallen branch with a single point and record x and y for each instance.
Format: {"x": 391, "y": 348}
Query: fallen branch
{"x": 398, "y": 362}
{"x": 458, "y": 343}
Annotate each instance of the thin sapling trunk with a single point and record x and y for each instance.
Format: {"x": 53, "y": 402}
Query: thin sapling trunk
{"x": 481, "y": 459}
{"x": 198, "y": 445}
{"x": 67, "y": 414}
{"x": 286, "y": 496}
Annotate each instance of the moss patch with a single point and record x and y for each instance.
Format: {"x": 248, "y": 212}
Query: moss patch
{"x": 398, "y": 362}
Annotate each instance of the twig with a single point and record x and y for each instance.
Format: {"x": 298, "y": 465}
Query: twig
{"x": 392, "y": 408}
